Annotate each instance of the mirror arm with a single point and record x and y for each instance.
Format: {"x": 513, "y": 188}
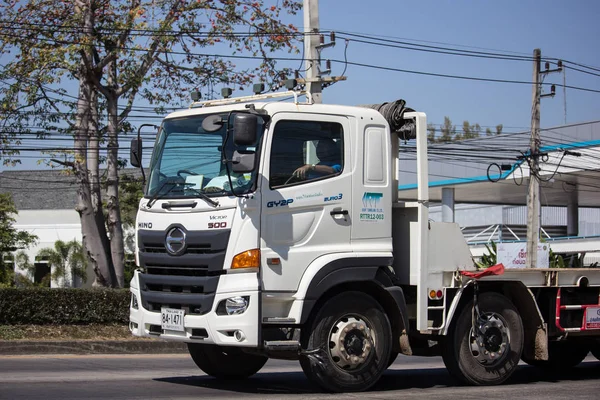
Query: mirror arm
{"x": 139, "y": 156}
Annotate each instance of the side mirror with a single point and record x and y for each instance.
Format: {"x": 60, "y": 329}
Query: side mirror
{"x": 243, "y": 162}
{"x": 244, "y": 129}
{"x": 135, "y": 153}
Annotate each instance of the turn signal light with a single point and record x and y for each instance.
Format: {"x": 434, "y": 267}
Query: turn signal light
{"x": 246, "y": 259}
{"x": 436, "y": 295}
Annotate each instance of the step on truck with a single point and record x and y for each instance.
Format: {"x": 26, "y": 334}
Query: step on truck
{"x": 273, "y": 230}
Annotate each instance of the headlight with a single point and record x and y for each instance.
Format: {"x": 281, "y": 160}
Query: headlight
{"x": 134, "y": 302}
{"x": 233, "y": 306}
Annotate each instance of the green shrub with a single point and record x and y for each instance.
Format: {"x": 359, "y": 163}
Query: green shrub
{"x": 43, "y": 306}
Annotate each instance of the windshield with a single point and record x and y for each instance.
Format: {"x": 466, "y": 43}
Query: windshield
{"x": 187, "y": 161}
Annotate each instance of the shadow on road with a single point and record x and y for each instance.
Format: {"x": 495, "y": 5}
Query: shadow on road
{"x": 283, "y": 383}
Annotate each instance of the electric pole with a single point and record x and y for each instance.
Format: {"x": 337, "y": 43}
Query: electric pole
{"x": 533, "y": 196}
{"x": 311, "y": 43}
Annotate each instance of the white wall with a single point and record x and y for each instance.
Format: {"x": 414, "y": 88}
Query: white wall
{"x": 50, "y": 226}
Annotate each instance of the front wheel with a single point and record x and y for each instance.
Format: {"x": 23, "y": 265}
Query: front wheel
{"x": 489, "y": 352}
{"x": 225, "y": 362}
{"x": 348, "y": 345}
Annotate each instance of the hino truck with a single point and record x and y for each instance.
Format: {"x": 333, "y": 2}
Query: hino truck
{"x": 273, "y": 229}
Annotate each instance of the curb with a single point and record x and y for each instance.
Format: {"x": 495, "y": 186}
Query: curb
{"x": 27, "y": 347}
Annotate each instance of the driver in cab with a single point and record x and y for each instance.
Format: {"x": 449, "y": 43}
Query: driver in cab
{"x": 329, "y": 162}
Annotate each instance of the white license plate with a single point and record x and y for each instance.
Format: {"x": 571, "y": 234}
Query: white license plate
{"x": 592, "y": 318}
{"x": 171, "y": 319}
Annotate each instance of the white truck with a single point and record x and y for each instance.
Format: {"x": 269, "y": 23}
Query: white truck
{"x": 274, "y": 230}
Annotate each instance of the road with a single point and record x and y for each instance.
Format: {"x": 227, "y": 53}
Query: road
{"x": 176, "y": 377}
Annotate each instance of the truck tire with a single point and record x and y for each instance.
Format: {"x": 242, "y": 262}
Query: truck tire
{"x": 348, "y": 343}
{"x": 494, "y": 355}
{"x": 562, "y": 356}
{"x": 225, "y": 362}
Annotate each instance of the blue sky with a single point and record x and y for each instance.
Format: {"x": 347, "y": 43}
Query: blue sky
{"x": 561, "y": 29}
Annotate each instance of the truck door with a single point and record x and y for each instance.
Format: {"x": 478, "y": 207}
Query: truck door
{"x": 306, "y": 188}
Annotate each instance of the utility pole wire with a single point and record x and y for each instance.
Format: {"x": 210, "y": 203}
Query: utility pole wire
{"x": 533, "y": 197}
{"x": 311, "y": 41}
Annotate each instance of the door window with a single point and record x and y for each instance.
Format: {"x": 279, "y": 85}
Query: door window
{"x": 305, "y": 151}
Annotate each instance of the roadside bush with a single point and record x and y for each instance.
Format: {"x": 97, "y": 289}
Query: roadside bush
{"x": 43, "y": 306}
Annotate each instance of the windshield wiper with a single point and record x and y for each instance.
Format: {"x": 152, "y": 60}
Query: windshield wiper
{"x": 204, "y": 197}
{"x": 157, "y": 195}
{"x": 176, "y": 182}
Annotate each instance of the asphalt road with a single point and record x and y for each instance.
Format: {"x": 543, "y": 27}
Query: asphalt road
{"x": 176, "y": 377}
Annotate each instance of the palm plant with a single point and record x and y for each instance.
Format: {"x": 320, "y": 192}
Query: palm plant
{"x": 67, "y": 261}
{"x": 490, "y": 258}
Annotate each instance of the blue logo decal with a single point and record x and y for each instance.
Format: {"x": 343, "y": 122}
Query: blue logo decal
{"x": 333, "y": 198}
{"x": 371, "y": 210}
{"x": 279, "y": 203}
{"x": 371, "y": 200}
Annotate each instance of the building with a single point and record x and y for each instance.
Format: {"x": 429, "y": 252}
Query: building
{"x": 482, "y": 185}
{"x": 46, "y": 200}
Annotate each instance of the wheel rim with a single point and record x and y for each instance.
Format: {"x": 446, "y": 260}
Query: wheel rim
{"x": 351, "y": 342}
{"x": 490, "y": 339}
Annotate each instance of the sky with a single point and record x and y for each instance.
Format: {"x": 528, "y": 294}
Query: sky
{"x": 566, "y": 30}
{"x": 561, "y": 29}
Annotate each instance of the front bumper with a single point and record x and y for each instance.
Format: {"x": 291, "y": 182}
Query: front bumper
{"x": 210, "y": 327}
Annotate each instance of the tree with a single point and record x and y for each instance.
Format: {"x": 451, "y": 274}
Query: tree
{"x": 23, "y": 263}
{"x": 469, "y": 131}
{"x": 431, "y": 133}
{"x": 124, "y": 50}
{"x": 450, "y": 134}
{"x": 11, "y": 239}
{"x": 67, "y": 261}
{"x": 448, "y": 130}
{"x": 488, "y": 131}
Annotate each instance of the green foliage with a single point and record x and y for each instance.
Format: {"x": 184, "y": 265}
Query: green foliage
{"x": 67, "y": 260}
{"x": 131, "y": 191}
{"x": 555, "y": 260}
{"x": 448, "y": 132}
{"x": 490, "y": 258}
{"x": 28, "y": 280}
{"x": 573, "y": 260}
{"x": 42, "y": 306}
{"x": 11, "y": 239}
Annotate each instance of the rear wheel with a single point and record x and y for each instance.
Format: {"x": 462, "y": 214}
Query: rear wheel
{"x": 225, "y": 362}
{"x": 349, "y": 344}
{"x": 488, "y": 353}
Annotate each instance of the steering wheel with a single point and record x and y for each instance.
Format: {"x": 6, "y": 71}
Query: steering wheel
{"x": 185, "y": 171}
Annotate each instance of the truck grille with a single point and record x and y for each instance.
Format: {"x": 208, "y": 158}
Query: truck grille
{"x": 188, "y": 281}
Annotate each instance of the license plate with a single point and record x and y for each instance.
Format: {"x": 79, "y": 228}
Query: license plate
{"x": 592, "y": 318}
{"x": 172, "y": 319}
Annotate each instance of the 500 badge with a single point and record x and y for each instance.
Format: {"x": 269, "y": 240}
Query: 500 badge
{"x": 217, "y": 225}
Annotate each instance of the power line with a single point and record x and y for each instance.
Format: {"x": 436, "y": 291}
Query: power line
{"x": 471, "y": 78}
